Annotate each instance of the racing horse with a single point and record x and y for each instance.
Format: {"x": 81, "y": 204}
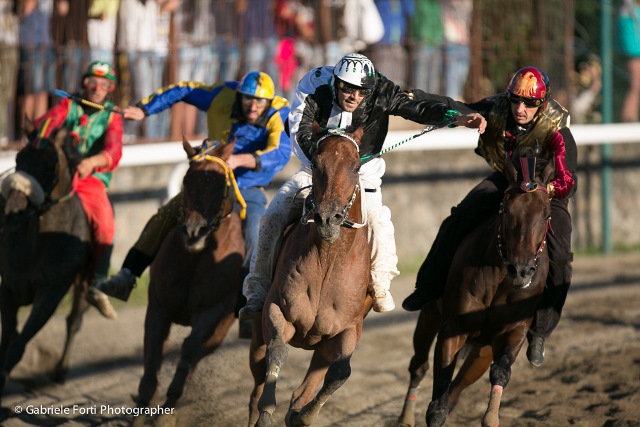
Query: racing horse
{"x": 318, "y": 299}
{"x": 45, "y": 246}
{"x": 494, "y": 284}
{"x": 196, "y": 276}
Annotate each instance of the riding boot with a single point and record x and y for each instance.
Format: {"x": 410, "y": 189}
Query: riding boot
{"x": 102, "y": 256}
{"x": 382, "y": 299}
{"x": 122, "y": 283}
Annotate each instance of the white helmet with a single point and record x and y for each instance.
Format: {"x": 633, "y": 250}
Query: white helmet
{"x": 357, "y": 70}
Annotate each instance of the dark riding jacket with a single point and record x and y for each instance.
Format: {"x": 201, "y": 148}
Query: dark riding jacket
{"x": 315, "y": 102}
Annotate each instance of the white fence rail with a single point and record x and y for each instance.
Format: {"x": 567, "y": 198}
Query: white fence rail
{"x": 445, "y": 139}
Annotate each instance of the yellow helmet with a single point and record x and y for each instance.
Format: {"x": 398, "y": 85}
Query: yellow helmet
{"x": 258, "y": 85}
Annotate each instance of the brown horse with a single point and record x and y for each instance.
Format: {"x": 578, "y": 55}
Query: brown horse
{"x": 494, "y": 284}
{"x": 197, "y": 275}
{"x": 318, "y": 299}
{"x": 44, "y": 247}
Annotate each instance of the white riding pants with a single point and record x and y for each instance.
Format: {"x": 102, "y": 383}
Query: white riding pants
{"x": 286, "y": 208}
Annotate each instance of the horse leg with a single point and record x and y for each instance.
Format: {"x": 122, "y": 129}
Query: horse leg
{"x": 475, "y": 365}
{"x": 9, "y": 316}
{"x": 337, "y": 374}
{"x": 339, "y": 349}
{"x": 305, "y": 393}
{"x": 206, "y": 335}
{"x": 42, "y": 309}
{"x": 423, "y": 337}
{"x": 74, "y": 322}
{"x": 156, "y": 330}
{"x": 445, "y": 357}
{"x": 500, "y": 372}
{"x": 258, "y": 366}
{"x": 277, "y": 353}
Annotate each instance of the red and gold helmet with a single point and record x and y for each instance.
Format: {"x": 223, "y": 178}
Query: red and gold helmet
{"x": 529, "y": 85}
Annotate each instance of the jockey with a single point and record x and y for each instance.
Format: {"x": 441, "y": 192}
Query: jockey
{"x": 248, "y": 112}
{"x": 350, "y": 93}
{"x": 99, "y": 132}
{"x": 522, "y": 115}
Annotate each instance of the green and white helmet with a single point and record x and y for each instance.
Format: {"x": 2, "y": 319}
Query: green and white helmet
{"x": 356, "y": 69}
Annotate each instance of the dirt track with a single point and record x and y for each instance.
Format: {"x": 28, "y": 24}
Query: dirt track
{"x": 591, "y": 376}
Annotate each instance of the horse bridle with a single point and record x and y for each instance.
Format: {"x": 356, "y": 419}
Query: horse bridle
{"x": 230, "y": 181}
{"x": 542, "y": 245}
{"x": 310, "y": 206}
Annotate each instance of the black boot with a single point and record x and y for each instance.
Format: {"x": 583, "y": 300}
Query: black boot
{"x": 535, "y": 351}
{"x": 417, "y": 299}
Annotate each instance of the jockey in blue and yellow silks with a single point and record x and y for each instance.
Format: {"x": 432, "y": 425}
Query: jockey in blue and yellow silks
{"x": 248, "y": 112}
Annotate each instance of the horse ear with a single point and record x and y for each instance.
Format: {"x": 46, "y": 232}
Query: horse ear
{"x": 188, "y": 148}
{"x": 510, "y": 171}
{"x": 548, "y": 172}
{"x": 358, "y": 133}
{"x": 227, "y": 150}
{"x": 29, "y": 127}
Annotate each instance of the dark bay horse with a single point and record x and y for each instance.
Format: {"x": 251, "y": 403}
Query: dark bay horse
{"x": 45, "y": 246}
{"x": 318, "y": 298}
{"x": 494, "y": 285}
{"x": 196, "y": 276}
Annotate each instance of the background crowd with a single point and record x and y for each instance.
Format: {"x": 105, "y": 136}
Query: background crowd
{"x": 45, "y": 44}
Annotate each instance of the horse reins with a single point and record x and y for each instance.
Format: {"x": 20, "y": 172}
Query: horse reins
{"x": 230, "y": 181}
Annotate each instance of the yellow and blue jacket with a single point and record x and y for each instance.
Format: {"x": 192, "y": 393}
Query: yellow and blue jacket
{"x": 266, "y": 140}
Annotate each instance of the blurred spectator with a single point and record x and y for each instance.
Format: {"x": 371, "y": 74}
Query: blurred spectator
{"x": 363, "y": 25}
{"x": 330, "y": 17}
{"x": 37, "y": 59}
{"x": 226, "y": 46}
{"x": 8, "y": 72}
{"x": 144, "y": 36}
{"x": 629, "y": 41}
{"x": 427, "y": 37}
{"x": 456, "y": 15}
{"x": 195, "y": 23}
{"x": 103, "y": 19}
{"x": 588, "y": 80}
{"x": 295, "y": 31}
{"x": 257, "y": 27}
{"x": 71, "y": 40}
{"x": 390, "y": 54}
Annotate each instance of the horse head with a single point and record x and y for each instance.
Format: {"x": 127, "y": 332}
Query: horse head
{"x": 335, "y": 181}
{"x": 208, "y": 192}
{"x": 525, "y": 213}
{"x": 44, "y": 171}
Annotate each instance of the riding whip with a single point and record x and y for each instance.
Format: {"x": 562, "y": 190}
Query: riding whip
{"x": 450, "y": 119}
{"x": 81, "y": 100}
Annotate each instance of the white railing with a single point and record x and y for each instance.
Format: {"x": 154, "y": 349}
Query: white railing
{"x": 445, "y": 139}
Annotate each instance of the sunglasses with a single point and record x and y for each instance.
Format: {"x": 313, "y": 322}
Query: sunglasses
{"x": 95, "y": 82}
{"x": 250, "y": 99}
{"x": 349, "y": 89}
{"x": 528, "y": 102}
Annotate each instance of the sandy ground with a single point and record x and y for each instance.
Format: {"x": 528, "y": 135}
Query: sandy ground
{"x": 591, "y": 376}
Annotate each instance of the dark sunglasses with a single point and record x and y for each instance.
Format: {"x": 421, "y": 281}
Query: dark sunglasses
{"x": 349, "y": 89}
{"x": 528, "y": 102}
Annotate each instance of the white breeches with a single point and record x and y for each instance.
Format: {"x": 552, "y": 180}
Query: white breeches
{"x": 286, "y": 208}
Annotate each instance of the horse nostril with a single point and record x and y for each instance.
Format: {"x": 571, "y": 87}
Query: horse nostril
{"x": 317, "y": 218}
{"x": 511, "y": 269}
{"x": 530, "y": 272}
{"x": 337, "y": 219}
